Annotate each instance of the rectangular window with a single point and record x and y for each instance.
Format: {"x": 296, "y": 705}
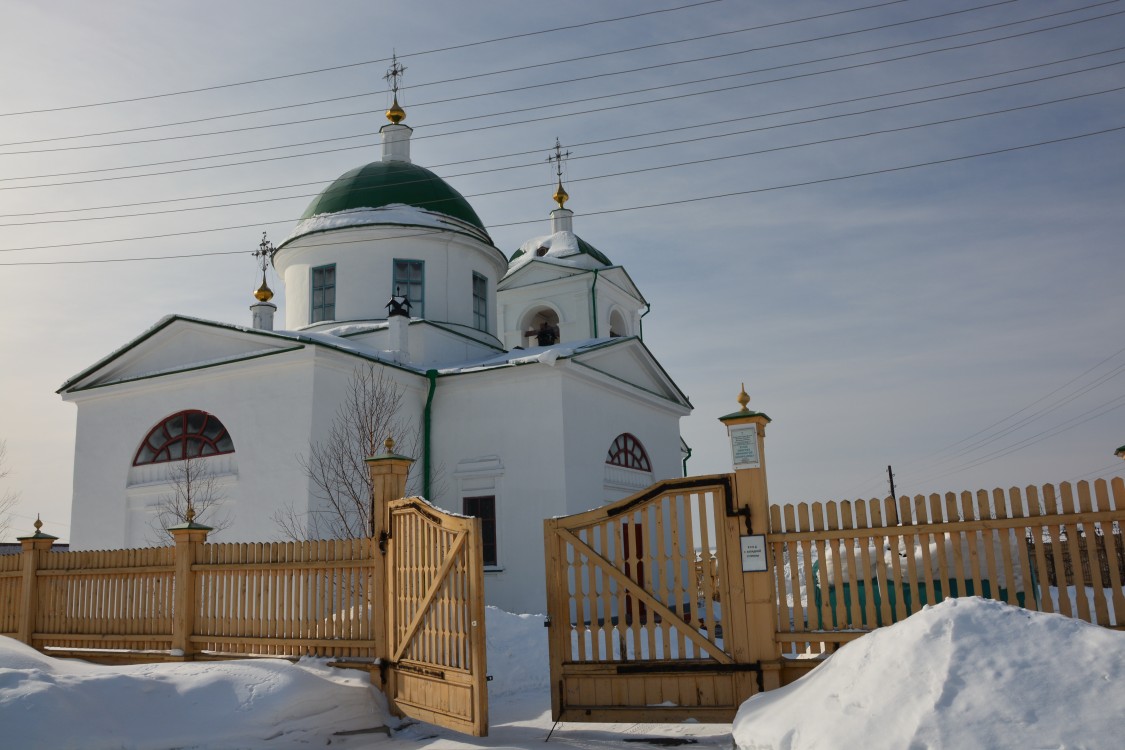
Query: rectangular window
{"x": 409, "y": 282}
{"x": 484, "y": 508}
{"x": 480, "y": 302}
{"x": 323, "y": 294}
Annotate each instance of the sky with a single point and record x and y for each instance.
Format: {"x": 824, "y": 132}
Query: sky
{"x": 958, "y": 320}
{"x": 912, "y": 684}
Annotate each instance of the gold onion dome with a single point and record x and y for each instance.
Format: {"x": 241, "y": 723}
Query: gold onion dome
{"x": 264, "y": 293}
{"x": 561, "y": 196}
{"x": 396, "y": 114}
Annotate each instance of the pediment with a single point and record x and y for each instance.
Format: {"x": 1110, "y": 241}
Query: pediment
{"x": 631, "y": 362}
{"x": 537, "y": 272}
{"x": 175, "y": 345}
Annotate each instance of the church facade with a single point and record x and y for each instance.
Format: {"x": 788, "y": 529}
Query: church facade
{"x": 525, "y": 379}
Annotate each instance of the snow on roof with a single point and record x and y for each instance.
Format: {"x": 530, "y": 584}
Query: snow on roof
{"x": 561, "y": 248}
{"x": 394, "y": 213}
{"x": 546, "y": 355}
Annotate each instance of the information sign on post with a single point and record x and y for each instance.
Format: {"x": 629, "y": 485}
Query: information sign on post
{"x": 744, "y": 446}
{"x": 754, "y": 553}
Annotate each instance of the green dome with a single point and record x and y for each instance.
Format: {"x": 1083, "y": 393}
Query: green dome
{"x": 383, "y": 183}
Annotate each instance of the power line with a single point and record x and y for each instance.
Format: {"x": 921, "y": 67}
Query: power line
{"x": 588, "y": 98}
{"x": 671, "y": 143}
{"x": 693, "y": 162}
{"x": 358, "y": 64}
{"x": 1066, "y": 426}
{"x": 606, "y": 140}
{"x": 1042, "y": 412}
{"x": 463, "y": 130}
{"x": 480, "y": 95}
{"x": 663, "y": 204}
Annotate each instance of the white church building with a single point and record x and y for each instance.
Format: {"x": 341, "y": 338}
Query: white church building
{"x": 527, "y": 379}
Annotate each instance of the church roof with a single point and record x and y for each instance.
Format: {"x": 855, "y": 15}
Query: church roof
{"x": 378, "y": 193}
{"x": 634, "y": 354}
{"x": 565, "y": 247}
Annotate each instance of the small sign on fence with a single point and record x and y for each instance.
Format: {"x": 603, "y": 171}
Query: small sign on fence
{"x": 754, "y": 553}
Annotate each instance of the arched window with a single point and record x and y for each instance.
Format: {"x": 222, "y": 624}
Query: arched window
{"x": 627, "y": 451}
{"x": 188, "y": 434}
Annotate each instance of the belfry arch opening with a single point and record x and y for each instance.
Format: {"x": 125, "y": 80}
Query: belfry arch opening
{"x": 617, "y": 325}
{"x": 540, "y": 327}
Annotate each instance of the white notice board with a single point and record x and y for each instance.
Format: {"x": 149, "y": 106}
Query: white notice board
{"x": 744, "y": 446}
{"x": 753, "y": 553}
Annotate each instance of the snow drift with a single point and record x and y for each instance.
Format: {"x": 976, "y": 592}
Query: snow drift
{"x": 966, "y": 673}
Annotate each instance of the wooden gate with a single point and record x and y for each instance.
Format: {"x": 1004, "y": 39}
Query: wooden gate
{"x": 637, "y": 595}
{"x": 435, "y": 617}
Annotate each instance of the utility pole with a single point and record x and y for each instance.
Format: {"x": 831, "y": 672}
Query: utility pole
{"x": 894, "y": 495}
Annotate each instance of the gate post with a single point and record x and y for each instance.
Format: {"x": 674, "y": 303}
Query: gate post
{"x": 388, "y": 482}
{"x": 188, "y": 536}
{"x": 30, "y": 547}
{"x": 747, "y": 431}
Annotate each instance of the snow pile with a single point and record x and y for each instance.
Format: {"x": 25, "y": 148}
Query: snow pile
{"x": 517, "y": 653}
{"x": 263, "y": 703}
{"x": 967, "y": 673}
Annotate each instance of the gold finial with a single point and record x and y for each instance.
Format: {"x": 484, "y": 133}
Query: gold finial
{"x": 190, "y": 515}
{"x": 389, "y": 445}
{"x": 262, "y": 255}
{"x": 561, "y": 196}
{"x": 264, "y": 293}
{"x": 743, "y": 398}
{"x": 38, "y": 524}
{"x": 395, "y": 114}
{"x": 557, "y": 158}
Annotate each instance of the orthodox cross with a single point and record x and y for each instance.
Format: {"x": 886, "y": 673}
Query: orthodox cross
{"x": 557, "y": 159}
{"x": 394, "y": 73}
{"x": 263, "y": 254}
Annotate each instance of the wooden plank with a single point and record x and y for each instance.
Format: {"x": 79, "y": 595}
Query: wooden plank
{"x": 912, "y": 545}
{"x": 1037, "y": 532}
{"x": 1067, "y": 506}
{"x": 806, "y": 551}
{"x": 846, "y": 560}
{"x": 1089, "y": 549}
{"x": 1113, "y": 553}
{"x": 795, "y": 611}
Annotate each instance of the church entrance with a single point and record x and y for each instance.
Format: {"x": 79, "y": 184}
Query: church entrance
{"x": 637, "y": 596}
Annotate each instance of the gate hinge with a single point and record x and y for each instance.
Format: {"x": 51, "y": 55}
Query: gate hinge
{"x": 384, "y": 537}
{"x": 488, "y": 678}
{"x": 547, "y": 621}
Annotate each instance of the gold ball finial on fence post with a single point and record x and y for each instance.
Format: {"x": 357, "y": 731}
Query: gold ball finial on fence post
{"x": 389, "y": 446}
{"x": 743, "y": 398}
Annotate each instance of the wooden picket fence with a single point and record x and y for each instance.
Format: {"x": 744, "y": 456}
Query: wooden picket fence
{"x": 285, "y": 598}
{"x": 843, "y": 569}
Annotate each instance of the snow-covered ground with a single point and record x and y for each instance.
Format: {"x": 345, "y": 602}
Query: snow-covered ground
{"x": 967, "y": 673}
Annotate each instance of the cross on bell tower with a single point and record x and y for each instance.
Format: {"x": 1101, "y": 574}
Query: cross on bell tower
{"x": 557, "y": 159}
{"x": 395, "y": 114}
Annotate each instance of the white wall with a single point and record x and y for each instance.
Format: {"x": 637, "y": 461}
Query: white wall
{"x": 266, "y": 407}
{"x": 364, "y": 258}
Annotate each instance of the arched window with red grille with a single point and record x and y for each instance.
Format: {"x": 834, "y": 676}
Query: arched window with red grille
{"x": 627, "y": 451}
{"x": 186, "y": 434}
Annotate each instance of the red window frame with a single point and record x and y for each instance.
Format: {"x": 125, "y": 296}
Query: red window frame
{"x": 627, "y": 451}
{"x": 186, "y": 434}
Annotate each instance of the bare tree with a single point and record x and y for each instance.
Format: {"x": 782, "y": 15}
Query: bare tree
{"x": 8, "y": 497}
{"x": 372, "y": 411}
{"x": 194, "y": 486}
